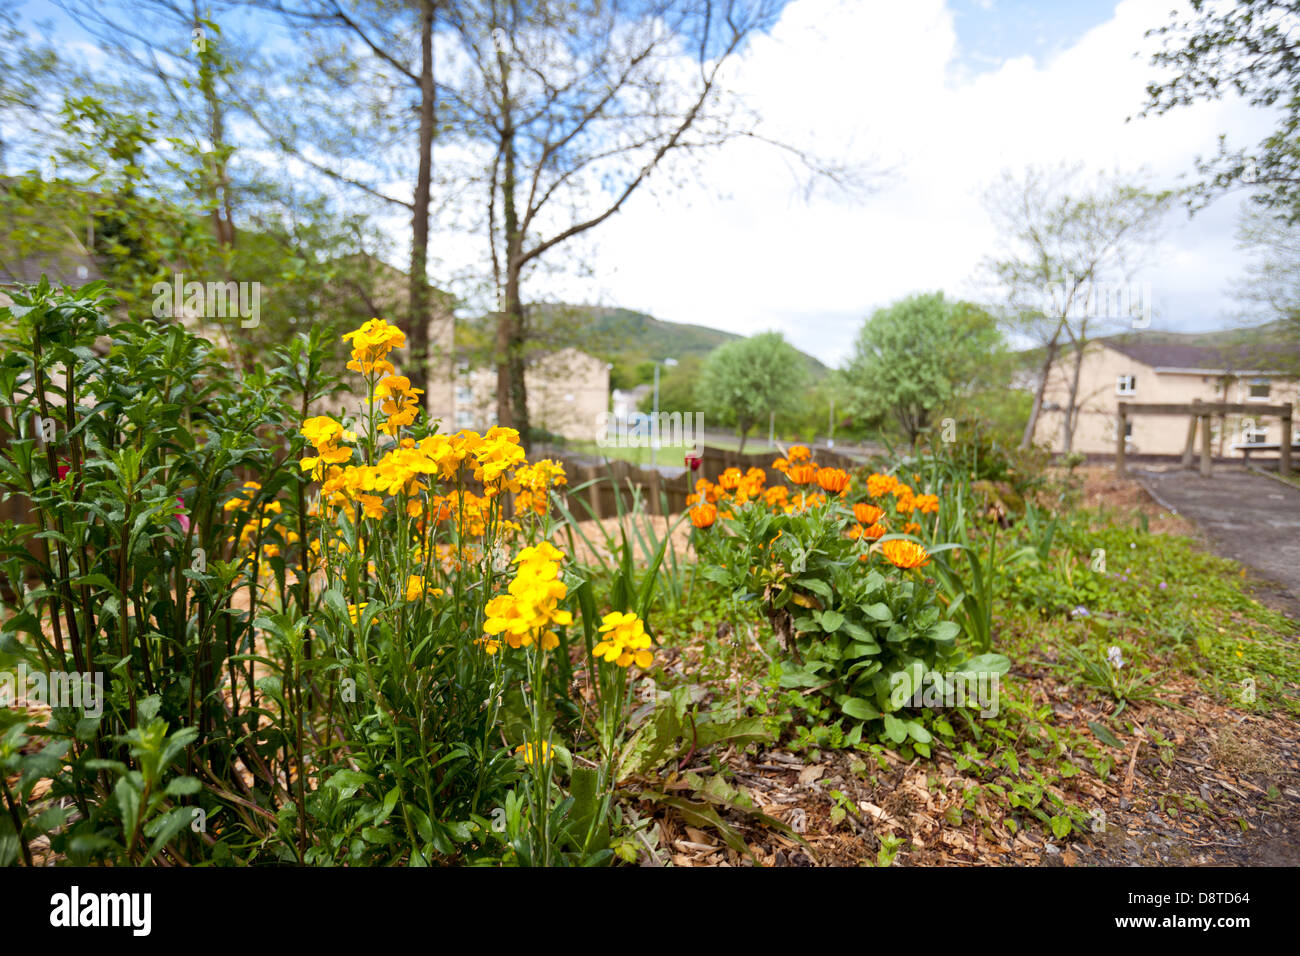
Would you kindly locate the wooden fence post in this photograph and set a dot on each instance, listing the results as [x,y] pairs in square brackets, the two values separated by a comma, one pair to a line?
[1189,449]
[1284,452]
[1119,441]
[1206,457]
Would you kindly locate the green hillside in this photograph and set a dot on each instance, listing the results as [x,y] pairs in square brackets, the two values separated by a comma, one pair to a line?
[630,341]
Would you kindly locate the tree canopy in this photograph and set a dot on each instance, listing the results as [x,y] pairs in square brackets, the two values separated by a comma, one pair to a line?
[919,355]
[745,382]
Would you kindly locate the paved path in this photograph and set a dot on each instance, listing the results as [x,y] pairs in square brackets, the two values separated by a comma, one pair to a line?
[1246,516]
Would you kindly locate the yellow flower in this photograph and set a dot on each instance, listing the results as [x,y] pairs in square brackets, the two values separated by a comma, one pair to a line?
[416,588]
[526,749]
[371,344]
[625,641]
[526,613]
[354,610]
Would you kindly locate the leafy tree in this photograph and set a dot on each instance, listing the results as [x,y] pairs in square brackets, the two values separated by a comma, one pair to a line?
[745,382]
[1271,288]
[1251,48]
[1066,246]
[920,355]
[573,107]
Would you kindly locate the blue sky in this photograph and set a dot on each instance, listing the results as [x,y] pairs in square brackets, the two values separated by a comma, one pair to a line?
[941,95]
[990,32]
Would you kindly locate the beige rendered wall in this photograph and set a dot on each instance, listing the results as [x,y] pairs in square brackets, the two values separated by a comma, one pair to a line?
[1151,434]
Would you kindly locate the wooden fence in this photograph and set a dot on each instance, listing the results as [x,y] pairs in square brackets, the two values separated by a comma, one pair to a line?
[605,486]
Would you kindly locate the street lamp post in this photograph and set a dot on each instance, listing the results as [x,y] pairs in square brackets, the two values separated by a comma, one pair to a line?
[654,421]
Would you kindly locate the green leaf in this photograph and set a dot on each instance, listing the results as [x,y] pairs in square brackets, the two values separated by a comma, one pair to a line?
[859,708]
[831,621]
[1104,735]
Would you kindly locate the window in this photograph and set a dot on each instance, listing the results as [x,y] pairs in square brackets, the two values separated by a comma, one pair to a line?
[1114,429]
[464,395]
[1254,435]
[464,418]
[1126,385]
[1258,390]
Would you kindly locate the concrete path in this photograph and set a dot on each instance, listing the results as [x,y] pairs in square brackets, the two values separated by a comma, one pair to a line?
[1246,516]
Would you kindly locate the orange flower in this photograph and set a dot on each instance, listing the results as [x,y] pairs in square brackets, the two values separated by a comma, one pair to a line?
[802,474]
[873,532]
[781,465]
[867,514]
[911,528]
[878,485]
[730,479]
[834,480]
[703,515]
[799,453]
[776,497]
[927,504]
[905,554]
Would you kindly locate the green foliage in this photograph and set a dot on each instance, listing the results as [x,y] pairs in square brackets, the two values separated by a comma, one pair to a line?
[921,355]
[868,638]
[743,382]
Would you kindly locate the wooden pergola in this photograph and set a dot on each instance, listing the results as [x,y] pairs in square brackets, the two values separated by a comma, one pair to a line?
[1203,412]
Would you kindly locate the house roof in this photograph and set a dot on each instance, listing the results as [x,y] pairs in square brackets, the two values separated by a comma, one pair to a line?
[1202,358]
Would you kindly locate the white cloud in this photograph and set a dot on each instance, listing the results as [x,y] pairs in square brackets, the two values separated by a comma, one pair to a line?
[740,251]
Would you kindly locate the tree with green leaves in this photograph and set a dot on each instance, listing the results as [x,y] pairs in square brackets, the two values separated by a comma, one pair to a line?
[743,383]
[920,355]
[1067,247]
[1250,48]
[1270,291]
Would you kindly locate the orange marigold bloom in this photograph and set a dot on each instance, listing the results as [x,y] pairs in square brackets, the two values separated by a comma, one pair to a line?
[905,554]
[802,474]
[730,479]
[799,453]
[703,515]
[781,464]
[911,528]
[872,532]
[867,514]
[927,504]
[776,496]
[878,485]
[834,480]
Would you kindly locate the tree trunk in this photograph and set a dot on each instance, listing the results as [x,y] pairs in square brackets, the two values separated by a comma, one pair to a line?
[512,393]
[1049,359]
[417,318]
[1071,410]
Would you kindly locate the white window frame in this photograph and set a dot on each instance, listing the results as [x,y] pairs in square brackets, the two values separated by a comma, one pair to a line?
[1255,436]
[1267,383]
[1126,385]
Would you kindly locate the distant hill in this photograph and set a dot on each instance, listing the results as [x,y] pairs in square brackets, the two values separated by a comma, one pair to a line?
[1273,344]
[627,338]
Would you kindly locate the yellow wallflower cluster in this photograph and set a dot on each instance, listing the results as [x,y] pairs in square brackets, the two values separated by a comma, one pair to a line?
[370,347]
[531,607]
[625,641]
[398,401]
[534,482]
[325,434]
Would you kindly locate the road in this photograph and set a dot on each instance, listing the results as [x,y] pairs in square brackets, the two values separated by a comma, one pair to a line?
[1246,516]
